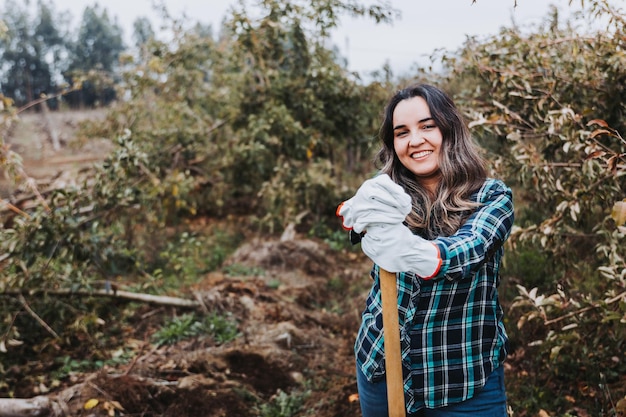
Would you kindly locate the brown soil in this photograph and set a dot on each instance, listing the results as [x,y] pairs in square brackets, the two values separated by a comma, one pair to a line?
[297,322]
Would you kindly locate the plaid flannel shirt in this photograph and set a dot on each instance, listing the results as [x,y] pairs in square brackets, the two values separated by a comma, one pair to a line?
[451,330]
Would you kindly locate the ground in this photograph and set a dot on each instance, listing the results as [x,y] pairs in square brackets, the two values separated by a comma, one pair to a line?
[296,338]
[297,322]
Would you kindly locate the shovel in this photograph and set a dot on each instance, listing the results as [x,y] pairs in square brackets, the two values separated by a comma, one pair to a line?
[393,359]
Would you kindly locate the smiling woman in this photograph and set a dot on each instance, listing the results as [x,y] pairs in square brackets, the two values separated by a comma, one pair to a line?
[434,219]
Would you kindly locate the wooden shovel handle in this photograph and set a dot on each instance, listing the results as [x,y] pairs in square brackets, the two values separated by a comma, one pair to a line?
[393,358]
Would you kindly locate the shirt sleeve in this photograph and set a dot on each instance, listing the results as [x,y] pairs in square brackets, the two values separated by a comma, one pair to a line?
[481,236]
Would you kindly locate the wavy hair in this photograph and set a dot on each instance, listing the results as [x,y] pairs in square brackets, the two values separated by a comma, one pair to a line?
[463,170]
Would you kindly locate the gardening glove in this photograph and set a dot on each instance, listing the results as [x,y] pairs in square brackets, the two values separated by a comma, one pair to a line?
[395,248]
[378,201]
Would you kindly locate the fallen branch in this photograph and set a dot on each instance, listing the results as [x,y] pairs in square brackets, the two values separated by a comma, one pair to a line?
[30,407]
[125,295]
[57,405]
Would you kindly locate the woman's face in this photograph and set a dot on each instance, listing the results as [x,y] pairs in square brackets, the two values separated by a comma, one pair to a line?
[417,140]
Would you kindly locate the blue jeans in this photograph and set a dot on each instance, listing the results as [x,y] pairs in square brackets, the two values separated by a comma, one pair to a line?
[489,402]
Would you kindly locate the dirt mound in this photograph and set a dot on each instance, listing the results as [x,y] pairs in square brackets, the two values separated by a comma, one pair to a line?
[308,256]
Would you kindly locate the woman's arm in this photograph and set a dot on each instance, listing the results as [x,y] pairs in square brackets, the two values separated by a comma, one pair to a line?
[481,236]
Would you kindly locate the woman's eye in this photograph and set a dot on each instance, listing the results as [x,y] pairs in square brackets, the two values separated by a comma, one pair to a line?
[428,127]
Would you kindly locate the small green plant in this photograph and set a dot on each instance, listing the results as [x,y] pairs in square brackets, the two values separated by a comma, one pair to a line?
[221,328]
[177,329]
[283,404]
[69,366]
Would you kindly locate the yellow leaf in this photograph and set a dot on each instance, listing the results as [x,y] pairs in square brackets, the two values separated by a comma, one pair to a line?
[619,212]
[91,404]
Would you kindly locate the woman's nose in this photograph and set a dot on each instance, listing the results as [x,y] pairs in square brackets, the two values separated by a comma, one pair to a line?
[416,139]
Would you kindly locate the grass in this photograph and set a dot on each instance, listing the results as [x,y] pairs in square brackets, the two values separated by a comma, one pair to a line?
[222,328]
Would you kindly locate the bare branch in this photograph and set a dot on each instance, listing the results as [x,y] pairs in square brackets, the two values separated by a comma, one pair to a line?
[615,299]
[36,317]
[125,295]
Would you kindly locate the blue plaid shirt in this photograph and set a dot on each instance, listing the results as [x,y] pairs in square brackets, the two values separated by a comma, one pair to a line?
[451,328]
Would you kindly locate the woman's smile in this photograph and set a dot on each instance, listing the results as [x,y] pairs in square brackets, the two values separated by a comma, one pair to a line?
[421,154]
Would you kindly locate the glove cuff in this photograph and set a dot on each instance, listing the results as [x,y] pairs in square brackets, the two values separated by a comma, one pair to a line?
[431,261]
[343,220]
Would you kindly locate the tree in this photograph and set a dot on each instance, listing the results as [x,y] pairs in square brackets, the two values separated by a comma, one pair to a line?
[99,42]
[94,58]
[295,108]
[142,31]
[33,51]
[267,94]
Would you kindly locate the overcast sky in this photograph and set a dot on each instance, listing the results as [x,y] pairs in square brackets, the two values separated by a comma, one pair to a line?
[424,25]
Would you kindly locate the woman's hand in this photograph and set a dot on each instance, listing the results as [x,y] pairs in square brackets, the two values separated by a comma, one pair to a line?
[378,201]
[395,248]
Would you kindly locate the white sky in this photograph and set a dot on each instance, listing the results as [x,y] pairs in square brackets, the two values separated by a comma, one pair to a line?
[424,25]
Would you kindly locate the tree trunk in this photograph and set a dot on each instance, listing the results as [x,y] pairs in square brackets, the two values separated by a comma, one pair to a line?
[50,127]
